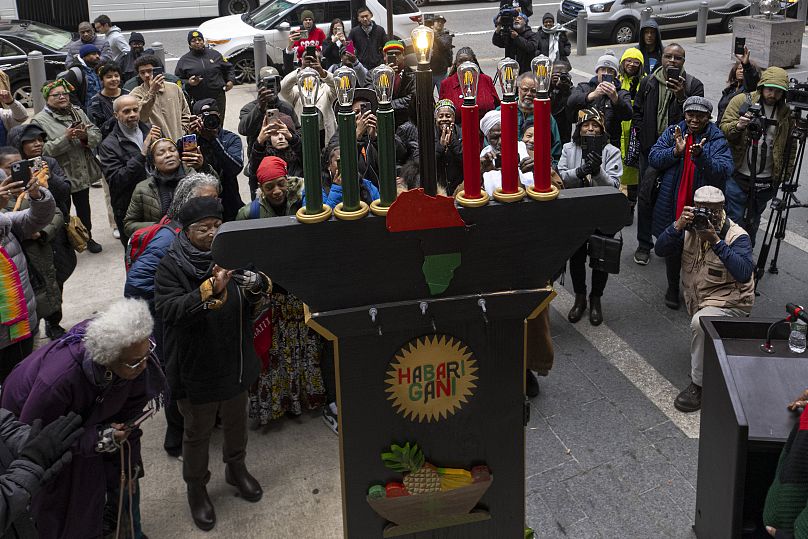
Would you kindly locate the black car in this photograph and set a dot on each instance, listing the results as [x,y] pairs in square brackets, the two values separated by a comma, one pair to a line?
[17,39]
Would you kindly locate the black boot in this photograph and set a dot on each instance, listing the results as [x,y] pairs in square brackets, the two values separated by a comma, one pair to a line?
[689,400]
[201,507]
[672,298]
[531,384]
[578,308]
[236,474]
[595,311]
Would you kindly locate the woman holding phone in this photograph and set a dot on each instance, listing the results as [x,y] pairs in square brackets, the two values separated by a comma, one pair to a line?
[333,43]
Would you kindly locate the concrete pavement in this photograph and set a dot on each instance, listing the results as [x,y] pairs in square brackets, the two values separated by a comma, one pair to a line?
[605,456]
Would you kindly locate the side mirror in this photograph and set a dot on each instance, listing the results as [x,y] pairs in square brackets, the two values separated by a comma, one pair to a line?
[284,26]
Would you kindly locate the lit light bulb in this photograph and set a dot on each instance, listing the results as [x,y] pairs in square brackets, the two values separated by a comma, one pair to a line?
[508,70]
[422,39]
[542,68]
[345,78]
[383,77]
[308,83]
[468,74]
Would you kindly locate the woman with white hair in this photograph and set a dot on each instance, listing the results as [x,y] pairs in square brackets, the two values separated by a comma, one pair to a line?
[104,370]
[491,156]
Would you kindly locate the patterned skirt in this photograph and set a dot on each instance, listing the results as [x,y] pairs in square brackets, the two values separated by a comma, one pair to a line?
[292,382]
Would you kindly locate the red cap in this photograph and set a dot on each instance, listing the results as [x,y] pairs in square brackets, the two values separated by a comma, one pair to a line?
[271,168]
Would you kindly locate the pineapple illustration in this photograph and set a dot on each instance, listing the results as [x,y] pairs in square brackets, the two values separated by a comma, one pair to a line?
[420,477]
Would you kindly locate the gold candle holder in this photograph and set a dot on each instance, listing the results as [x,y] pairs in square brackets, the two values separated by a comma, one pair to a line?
[543,197]
[351,215]
[472,202]
[309,219]
[499,196]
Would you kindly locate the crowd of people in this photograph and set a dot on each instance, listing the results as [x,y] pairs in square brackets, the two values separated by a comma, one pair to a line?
[188,335]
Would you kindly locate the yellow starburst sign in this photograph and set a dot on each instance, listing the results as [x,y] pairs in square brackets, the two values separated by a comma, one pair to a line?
[431,378]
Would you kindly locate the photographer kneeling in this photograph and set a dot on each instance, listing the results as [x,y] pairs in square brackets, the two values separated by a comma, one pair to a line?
[757,126]
[717,274]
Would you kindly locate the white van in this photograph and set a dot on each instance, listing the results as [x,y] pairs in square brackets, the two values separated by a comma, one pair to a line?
[233,36]
[618,21]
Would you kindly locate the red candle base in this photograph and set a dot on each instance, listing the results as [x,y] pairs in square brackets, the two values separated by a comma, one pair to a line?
[510,153]
[542,145]
[470,117]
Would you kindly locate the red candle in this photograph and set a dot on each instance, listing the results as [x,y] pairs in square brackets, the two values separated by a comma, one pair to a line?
[470,117]
[510,154]
[542,143]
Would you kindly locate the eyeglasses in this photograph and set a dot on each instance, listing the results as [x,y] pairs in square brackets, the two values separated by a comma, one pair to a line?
[204,229]
[133,366]
[673,57]
[59,95]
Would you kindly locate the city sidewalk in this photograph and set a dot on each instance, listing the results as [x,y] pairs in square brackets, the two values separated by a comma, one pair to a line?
[606,457]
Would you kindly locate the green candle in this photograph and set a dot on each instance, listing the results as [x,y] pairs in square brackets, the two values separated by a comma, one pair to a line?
[387,155]
[348,167]
[310,128]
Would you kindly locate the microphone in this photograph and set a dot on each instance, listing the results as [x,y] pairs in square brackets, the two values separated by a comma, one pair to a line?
[796,311]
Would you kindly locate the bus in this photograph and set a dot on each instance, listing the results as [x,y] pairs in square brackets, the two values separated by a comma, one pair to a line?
[68,14]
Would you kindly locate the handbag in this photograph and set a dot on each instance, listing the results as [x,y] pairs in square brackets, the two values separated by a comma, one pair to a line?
[633,149]
[77,234]
[604,253]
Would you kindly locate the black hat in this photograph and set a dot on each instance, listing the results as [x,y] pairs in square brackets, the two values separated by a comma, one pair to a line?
[205,105]
[200,208]
[136,37]
[32,132]
[193,34]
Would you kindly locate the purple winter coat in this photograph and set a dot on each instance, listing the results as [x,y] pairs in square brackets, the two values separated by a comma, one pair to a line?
[59,378]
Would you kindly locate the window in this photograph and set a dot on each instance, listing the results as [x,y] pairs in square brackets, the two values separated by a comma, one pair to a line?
[51,37]
[7,49]
[339,10]
[266,16]
[293,17]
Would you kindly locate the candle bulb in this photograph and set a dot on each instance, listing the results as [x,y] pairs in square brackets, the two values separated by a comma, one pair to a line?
[468,74]
[383,77]
[345,80]
[508,70]
[308,82]
[542,68]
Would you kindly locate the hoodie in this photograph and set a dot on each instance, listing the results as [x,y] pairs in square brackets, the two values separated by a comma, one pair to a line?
[631,85]
[739,138]
[651,57]
[118,44]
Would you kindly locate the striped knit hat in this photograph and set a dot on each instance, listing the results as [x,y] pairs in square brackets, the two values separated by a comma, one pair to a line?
[393,45]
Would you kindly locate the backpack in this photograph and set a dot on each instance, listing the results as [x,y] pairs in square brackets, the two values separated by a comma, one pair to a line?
[255,209]
[142,237]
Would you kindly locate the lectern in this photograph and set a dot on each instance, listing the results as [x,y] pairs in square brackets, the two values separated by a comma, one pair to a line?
[744,422]
[426,309]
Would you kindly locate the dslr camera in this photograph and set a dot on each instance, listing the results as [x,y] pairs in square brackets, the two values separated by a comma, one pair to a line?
[701,219]
[797,95]
[210,120]
[756,125]
[506,23]
[429,19]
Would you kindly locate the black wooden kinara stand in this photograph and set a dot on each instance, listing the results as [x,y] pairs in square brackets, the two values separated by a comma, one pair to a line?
[429,346]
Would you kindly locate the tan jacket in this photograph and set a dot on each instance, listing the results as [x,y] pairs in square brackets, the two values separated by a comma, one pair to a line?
[707,282]
[168,109]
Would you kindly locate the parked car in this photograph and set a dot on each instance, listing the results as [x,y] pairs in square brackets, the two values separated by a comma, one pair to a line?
[17,39]
[618,21]
[233,36]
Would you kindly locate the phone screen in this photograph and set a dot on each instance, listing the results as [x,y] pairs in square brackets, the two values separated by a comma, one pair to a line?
[304,34]
[740,43]
[189,143]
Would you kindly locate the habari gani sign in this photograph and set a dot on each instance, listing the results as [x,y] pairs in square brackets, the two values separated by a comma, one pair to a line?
[431,377]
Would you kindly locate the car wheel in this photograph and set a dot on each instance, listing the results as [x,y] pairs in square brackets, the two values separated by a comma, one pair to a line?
[236,7]
[21,91]
[420,3]
[244,67]
[729,21]
[624,33]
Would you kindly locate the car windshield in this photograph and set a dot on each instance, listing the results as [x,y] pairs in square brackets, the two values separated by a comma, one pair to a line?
[51,37]
[266,15]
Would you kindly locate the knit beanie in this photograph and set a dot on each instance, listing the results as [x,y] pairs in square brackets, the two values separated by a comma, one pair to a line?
[200,208]
[88,49]
[194,34]
[306,14]
[393,45]
[136,37]
[271,168]
[609,61]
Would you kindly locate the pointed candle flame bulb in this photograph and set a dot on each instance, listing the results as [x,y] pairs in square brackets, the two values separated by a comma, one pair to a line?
[422,39]
[345,79]
[383,77]
[542,68]
[469,75]
[308,82]
[508,70]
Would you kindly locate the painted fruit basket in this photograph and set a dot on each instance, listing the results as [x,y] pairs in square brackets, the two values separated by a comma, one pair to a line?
[428,511]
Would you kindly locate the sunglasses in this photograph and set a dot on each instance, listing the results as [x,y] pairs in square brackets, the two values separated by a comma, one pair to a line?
[133,366]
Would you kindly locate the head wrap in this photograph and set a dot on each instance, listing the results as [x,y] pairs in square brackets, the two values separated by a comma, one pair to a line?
[444,103]
[306,14]
[696,103]
[524,18]
[49,87]
[393,45]
[205,105]
[271,168]
[348,47]
[708,195]
[162,139]
[200,208]
[592,114]
[491,119]
[136,37]
[88,49]
[194,34]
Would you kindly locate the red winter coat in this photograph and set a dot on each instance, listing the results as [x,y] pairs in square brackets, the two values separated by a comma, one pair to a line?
[487,97]
[316,38]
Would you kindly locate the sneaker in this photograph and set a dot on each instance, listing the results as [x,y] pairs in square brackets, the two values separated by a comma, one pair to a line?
[96,183]
[330,417]
[672,299]
[689,400]
[641,256]
[93,246]
[116,234]
[531,385]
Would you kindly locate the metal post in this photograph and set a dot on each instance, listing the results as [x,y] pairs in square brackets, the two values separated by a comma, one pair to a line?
[259,53]
[580,33]
[426,134]
[754,8]
[802,10]
[159,52]
[645,15]
[701,23]
[388,6]
[37,76]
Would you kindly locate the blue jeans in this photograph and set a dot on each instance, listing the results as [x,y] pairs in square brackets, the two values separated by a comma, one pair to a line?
[736,200]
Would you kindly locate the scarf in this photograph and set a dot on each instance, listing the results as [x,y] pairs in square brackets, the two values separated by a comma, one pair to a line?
[13,307]
[135,135]
[665,97]
[166,185]
[685,195]
[553,35]
[191,260]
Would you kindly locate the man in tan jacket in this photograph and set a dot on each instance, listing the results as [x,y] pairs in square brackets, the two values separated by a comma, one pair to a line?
[717,274]
[161,104]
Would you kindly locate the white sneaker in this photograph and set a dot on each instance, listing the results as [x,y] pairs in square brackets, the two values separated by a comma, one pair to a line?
[116,234]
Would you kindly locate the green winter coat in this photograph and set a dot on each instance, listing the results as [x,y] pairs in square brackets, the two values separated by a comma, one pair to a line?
[144,207]
[294,198]
[77,160]
[738,139]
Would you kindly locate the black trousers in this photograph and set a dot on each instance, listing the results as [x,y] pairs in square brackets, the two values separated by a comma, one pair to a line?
[119,223]
[578,274]
[645,213]
[673,270]
[13,354]
[81,199]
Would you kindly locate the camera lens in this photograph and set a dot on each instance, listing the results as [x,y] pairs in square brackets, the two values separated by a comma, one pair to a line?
[211,121]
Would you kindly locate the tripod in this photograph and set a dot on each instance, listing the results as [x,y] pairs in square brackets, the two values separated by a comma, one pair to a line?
[781,206]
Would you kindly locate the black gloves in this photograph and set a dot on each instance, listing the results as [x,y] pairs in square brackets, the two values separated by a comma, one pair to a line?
[591,165]
[48,447]
[251,281]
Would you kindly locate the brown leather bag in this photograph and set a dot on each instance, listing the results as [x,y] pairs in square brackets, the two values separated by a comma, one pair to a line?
[77,234]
